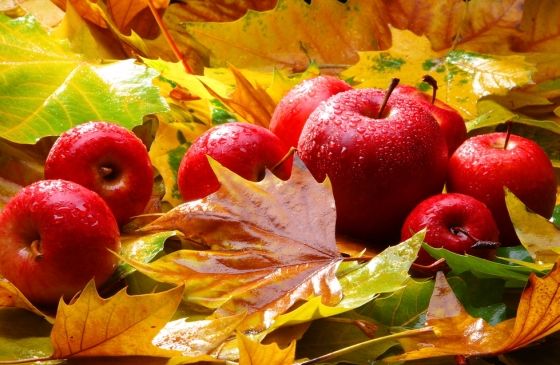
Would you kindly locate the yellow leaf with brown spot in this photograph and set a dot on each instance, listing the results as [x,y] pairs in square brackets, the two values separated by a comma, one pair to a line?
[122,325]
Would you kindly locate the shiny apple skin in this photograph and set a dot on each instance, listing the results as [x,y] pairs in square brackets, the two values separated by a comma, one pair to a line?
[442,214]
[246,149]
[80,153]
[380,168]
[76,230]
[481,167]
[451,122]
[292,111]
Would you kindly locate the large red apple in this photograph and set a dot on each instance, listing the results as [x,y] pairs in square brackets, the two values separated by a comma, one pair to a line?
[483,165]
[380,167]
[246,149]
[292,111]
[107,159]
[451,122]
[55,236]
[456,222]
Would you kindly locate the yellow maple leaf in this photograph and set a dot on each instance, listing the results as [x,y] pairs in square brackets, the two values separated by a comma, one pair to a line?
[122,325]
[252,352]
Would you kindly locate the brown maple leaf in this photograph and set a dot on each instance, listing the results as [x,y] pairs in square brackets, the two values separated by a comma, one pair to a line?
[266,245]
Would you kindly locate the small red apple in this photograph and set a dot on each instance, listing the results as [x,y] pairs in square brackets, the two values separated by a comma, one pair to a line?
[451,122]
[457,222]
[380,163]
[483,165]
[108,159]
[246,149]
[55,236]
[292,111]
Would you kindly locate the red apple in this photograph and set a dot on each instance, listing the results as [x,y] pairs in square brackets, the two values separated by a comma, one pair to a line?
[246,149]
[107,159]
[457,222]
[380,167]
[55,236]
[483,165]
[293,110]
[450,121]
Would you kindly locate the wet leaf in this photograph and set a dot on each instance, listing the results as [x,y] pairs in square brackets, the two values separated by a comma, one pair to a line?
[492,114]
[142,249]
[385,273]
[251,352]
[463,77]
[49,89]
[122,325]
[457,333]
[11,297]
[197,339]
[515,275]
[537,234]
[259,260]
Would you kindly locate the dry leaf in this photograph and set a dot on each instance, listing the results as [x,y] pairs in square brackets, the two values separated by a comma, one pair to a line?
[218,10]
[250,102]
[251,352]
[268,245]
[122,325]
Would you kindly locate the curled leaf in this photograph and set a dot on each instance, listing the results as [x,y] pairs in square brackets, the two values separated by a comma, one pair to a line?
[537,234]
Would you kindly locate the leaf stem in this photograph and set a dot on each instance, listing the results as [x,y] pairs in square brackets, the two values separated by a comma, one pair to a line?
[168,37]
[360,345]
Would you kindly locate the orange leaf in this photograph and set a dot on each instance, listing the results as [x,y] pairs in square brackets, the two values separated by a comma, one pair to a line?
[250,102]
[476,25]
[268,245]
[457,333]
[217,10]
[122,325]
[540,27]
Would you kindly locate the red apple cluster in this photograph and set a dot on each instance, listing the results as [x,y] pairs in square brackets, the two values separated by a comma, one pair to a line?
[57,234]
[389,154]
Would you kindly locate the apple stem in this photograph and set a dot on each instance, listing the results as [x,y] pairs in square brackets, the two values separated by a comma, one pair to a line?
[392,86]
[288,155]
[433,83]
[36,249]
[478,244]
[508,133]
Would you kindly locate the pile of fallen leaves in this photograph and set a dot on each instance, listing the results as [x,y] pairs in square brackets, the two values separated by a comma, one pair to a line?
[255,273]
